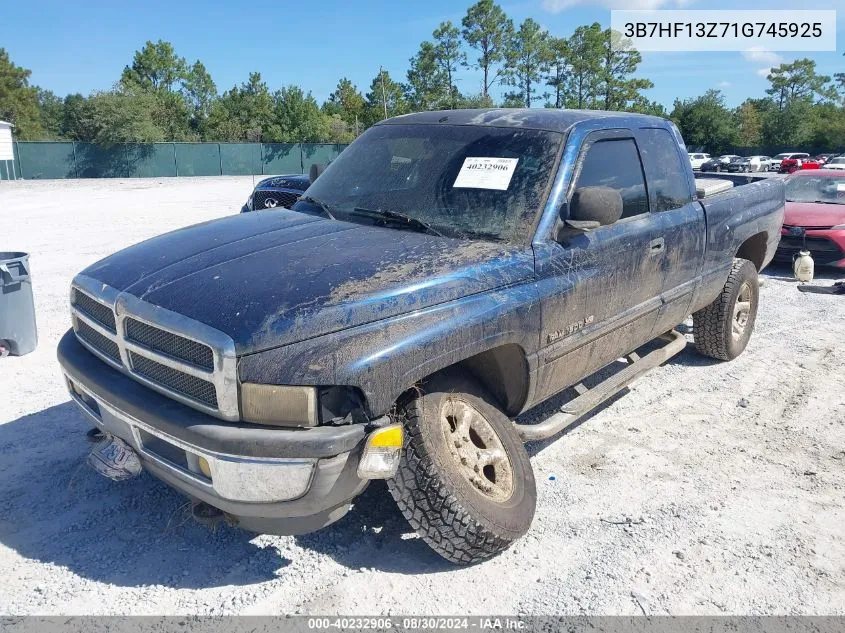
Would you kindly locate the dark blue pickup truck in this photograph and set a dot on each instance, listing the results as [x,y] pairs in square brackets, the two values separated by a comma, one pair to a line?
[448,271]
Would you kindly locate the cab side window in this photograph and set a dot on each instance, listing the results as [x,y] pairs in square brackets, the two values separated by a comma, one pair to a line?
[667,175]
[615,163]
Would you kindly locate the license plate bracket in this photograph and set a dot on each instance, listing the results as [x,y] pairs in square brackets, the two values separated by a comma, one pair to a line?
[115,459]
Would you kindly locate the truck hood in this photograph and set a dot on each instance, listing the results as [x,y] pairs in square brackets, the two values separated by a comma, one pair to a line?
[814,214]
[277,277]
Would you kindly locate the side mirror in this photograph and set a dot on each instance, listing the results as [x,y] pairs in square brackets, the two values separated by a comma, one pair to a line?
[315,171]
[592,207]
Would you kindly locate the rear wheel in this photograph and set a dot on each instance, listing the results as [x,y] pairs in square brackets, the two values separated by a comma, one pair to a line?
[723,328]
[465,482]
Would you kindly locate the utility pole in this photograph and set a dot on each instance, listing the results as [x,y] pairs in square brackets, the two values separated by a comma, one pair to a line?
[383,95]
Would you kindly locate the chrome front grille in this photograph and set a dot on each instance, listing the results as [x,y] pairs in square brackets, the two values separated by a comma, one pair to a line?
[263,199]
[182,358]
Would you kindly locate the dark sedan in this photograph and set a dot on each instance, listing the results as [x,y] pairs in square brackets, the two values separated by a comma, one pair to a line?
[738,164]
[276,191]
[719,163]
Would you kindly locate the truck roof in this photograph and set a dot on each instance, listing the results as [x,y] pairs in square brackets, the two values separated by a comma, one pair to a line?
[530,118]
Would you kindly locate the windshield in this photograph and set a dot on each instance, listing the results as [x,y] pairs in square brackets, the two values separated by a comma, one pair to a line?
[737,159]
[462,181]
[829,189]
[781,156]
[837,161]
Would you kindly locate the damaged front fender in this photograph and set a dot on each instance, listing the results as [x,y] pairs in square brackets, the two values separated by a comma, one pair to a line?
[385,358]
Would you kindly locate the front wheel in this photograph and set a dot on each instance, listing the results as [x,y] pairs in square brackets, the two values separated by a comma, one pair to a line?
[722,329]
[465,482]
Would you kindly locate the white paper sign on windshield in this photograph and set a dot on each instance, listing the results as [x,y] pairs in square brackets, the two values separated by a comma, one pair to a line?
[486,173]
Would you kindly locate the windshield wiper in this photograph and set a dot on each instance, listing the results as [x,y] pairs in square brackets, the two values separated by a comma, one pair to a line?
[326,208]
[398,218]
[826,202]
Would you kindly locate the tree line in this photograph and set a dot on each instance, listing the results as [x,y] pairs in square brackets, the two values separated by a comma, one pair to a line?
[161,96]
[802,109]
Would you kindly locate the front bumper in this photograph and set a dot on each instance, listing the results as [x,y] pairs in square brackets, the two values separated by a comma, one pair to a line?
[826,246]
[283,481]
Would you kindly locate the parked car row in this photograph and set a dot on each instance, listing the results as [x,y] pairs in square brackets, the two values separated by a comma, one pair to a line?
[738,164]
[804,161]
[786,162]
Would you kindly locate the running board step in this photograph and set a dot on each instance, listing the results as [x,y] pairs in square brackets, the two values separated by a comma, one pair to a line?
[589,399]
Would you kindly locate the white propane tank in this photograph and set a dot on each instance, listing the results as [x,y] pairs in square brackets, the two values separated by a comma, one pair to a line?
[803,266]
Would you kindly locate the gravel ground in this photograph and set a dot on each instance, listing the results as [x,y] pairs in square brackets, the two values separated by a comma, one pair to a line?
[707,488]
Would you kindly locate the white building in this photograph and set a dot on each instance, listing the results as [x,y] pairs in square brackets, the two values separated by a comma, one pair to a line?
[7,152]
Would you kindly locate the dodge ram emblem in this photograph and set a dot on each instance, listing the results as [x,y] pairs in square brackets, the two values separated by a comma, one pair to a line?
[270,203]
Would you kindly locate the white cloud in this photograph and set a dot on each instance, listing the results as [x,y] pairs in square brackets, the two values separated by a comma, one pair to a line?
[758,55]
[761,57]
[725,84]
[556,6]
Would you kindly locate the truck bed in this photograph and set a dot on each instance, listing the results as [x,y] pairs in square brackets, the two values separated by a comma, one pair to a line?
[750,213]
[705,181]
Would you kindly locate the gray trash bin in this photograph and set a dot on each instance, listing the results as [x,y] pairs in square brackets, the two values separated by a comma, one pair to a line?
[18,334]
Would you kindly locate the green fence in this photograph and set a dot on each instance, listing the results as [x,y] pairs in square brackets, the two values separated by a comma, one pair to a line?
[49,159]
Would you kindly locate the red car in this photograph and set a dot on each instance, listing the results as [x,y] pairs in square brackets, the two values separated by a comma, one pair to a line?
[815,217]
[791,165]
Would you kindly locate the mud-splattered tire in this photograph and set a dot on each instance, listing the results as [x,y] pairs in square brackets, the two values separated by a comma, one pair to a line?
[465,516]
[722,329]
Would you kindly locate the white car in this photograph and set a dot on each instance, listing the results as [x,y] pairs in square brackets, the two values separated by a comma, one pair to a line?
[835,163]
[759,163]
[697,159]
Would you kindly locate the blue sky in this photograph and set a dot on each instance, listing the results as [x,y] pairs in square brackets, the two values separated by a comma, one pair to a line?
[80,47]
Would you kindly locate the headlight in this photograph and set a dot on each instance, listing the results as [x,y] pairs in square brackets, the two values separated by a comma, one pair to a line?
[279,405]
[249,202]
[838,227]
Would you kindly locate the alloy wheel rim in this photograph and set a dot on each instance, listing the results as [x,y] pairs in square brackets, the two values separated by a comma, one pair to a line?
[477,450]
[741,312]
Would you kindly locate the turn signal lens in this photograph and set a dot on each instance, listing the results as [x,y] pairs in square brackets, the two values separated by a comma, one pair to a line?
[205,469]
[380,458]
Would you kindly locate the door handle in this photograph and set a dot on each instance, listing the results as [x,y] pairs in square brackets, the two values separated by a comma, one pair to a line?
[656,245]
